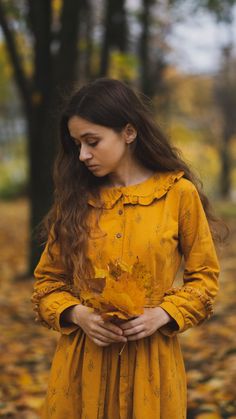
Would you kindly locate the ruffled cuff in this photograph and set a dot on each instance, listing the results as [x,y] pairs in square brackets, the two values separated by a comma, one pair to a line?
[187,306]
[50,307]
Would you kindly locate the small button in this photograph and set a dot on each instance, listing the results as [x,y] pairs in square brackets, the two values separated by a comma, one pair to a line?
[118,235]
[120,212]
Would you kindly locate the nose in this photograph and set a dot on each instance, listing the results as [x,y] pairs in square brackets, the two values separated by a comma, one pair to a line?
[84,153]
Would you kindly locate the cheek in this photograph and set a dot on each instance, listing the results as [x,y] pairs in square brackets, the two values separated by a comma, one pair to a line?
[113,151]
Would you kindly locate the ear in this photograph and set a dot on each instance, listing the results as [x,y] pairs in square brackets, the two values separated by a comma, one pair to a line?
[130,133]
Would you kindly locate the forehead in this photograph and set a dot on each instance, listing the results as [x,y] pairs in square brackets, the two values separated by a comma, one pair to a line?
[78,127]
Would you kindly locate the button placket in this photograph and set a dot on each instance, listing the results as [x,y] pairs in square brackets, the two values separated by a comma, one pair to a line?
[119,235]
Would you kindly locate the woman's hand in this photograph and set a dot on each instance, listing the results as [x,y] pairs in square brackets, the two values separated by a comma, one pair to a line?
[101,332]
[146,324]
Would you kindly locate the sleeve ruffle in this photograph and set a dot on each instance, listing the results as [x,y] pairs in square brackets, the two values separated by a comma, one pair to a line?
[53,292]
[188,306]
[49,303]
[37,296]
[190,293]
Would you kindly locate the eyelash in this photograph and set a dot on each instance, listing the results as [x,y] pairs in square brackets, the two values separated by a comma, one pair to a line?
[93,144]
[89,144]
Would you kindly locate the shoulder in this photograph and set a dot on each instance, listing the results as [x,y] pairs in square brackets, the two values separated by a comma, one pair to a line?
[187,198]
[184,186]
[184,193]
[175,183]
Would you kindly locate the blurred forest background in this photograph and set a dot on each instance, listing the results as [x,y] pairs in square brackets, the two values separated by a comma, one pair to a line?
[46,48]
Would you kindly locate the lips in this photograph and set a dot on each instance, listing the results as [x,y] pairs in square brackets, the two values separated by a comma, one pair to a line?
[92,166]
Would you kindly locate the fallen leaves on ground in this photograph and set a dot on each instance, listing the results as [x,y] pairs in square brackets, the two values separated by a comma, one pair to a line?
[27,349]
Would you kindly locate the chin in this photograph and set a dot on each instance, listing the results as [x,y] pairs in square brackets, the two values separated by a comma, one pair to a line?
[100,173]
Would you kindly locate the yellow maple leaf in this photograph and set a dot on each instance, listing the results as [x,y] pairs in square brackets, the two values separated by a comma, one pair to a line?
[115,316]
[118,293]
[100,273]
[125,295]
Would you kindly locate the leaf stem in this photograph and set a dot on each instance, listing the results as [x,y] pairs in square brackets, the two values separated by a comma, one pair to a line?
[122,349]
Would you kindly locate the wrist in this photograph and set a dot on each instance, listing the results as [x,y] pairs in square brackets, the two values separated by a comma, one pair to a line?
[68,314]
[164,316]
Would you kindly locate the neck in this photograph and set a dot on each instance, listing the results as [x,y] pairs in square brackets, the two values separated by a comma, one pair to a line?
[129,174]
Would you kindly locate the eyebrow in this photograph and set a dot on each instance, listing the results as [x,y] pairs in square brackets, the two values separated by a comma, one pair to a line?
[85,135]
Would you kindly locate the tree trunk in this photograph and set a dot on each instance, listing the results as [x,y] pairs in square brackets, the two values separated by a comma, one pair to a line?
[144,48]
[226,102]
[115,32]
[54,75]
[41,143]
[89,40]
[225,180]
[41,97]
[152,57]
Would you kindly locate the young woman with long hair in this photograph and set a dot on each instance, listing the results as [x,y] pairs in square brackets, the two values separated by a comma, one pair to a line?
[123,197]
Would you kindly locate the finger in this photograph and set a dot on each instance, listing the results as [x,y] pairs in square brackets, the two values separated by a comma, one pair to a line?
[134,330]
[101,331]
[110,326]
[131,323]
[100,343]
[103,339]
[137,336]
[111,331]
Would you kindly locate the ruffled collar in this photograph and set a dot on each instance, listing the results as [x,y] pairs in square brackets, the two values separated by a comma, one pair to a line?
[155,187]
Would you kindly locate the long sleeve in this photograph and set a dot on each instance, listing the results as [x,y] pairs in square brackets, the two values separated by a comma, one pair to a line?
[52,294]
[190,304]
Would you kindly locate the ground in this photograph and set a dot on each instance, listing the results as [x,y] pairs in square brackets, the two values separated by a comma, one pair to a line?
[26,349]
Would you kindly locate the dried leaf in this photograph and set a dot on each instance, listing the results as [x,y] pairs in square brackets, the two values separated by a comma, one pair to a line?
[121,294]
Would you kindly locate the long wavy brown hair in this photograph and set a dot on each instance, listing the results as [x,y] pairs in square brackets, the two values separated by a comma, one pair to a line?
[112,104]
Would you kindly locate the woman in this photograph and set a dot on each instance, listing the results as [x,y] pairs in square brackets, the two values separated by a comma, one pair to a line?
[122,194]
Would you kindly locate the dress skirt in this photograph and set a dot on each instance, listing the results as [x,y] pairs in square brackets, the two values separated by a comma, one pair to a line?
[146,381]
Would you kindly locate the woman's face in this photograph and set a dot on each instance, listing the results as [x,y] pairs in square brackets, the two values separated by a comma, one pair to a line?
[102,150]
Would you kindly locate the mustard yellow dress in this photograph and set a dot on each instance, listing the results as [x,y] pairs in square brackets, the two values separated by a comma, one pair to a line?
[159,221]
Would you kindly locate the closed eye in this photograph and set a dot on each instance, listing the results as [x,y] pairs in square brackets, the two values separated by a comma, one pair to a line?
[89,144]
[93,144]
